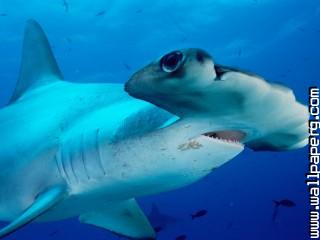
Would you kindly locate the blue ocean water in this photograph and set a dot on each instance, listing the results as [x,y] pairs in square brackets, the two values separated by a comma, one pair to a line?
[107,41]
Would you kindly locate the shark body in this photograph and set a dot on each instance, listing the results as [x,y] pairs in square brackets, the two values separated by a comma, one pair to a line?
[89,150]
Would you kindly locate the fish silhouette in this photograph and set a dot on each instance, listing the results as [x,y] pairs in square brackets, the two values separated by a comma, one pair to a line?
[65,5]
[127,66]
[101,13]
[199,214]
[181,237]
[283,203]
[54,233]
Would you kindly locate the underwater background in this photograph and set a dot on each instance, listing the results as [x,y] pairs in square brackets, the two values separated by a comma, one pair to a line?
[107,41]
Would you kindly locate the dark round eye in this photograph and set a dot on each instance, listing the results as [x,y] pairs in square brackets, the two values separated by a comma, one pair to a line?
[171,62]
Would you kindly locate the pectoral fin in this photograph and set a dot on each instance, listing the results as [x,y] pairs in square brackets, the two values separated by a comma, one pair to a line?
[42,203]
[125,218]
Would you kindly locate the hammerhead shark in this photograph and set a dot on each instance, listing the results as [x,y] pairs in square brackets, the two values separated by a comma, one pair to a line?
[89,149]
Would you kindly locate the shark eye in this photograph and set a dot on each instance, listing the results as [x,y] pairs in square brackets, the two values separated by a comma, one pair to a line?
[171,62]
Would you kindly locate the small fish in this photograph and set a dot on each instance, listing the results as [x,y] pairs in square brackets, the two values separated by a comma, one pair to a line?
[239,52]
[101,13]
[3,15]
[65,5]
[181,237]
[284,203]
[183,39]
[158,229]
[199,214]
[53,233]
[139,11]
[69,40]
[127,66]
[283,75]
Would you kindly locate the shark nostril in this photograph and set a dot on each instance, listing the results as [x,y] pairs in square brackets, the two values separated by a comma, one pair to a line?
[200,57]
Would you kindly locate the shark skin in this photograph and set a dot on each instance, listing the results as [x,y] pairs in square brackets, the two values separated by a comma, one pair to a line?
[87,150]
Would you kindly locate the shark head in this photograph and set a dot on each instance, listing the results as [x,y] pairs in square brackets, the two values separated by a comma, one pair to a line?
[239,105]
[182,73]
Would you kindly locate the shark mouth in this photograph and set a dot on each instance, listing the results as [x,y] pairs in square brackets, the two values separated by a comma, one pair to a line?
[231,136]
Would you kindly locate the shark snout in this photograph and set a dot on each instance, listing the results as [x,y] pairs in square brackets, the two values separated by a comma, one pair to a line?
[126,86]
[132,86]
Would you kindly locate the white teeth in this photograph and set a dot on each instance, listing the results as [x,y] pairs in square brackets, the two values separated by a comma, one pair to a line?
[231,141]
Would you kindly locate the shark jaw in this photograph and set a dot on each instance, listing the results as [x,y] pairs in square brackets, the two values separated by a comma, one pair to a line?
[190,84]
[233,137]
[175,156]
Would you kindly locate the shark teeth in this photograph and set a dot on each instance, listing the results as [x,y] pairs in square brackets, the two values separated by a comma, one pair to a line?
[227,141]
[232,137]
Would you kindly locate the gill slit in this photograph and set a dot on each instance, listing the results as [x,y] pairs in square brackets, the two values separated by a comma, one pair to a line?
[63,162]
[97,146]
[59,166]
[83,157]
[71,159]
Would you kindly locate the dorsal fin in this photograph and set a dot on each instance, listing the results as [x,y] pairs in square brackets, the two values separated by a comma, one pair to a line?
[38,65]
